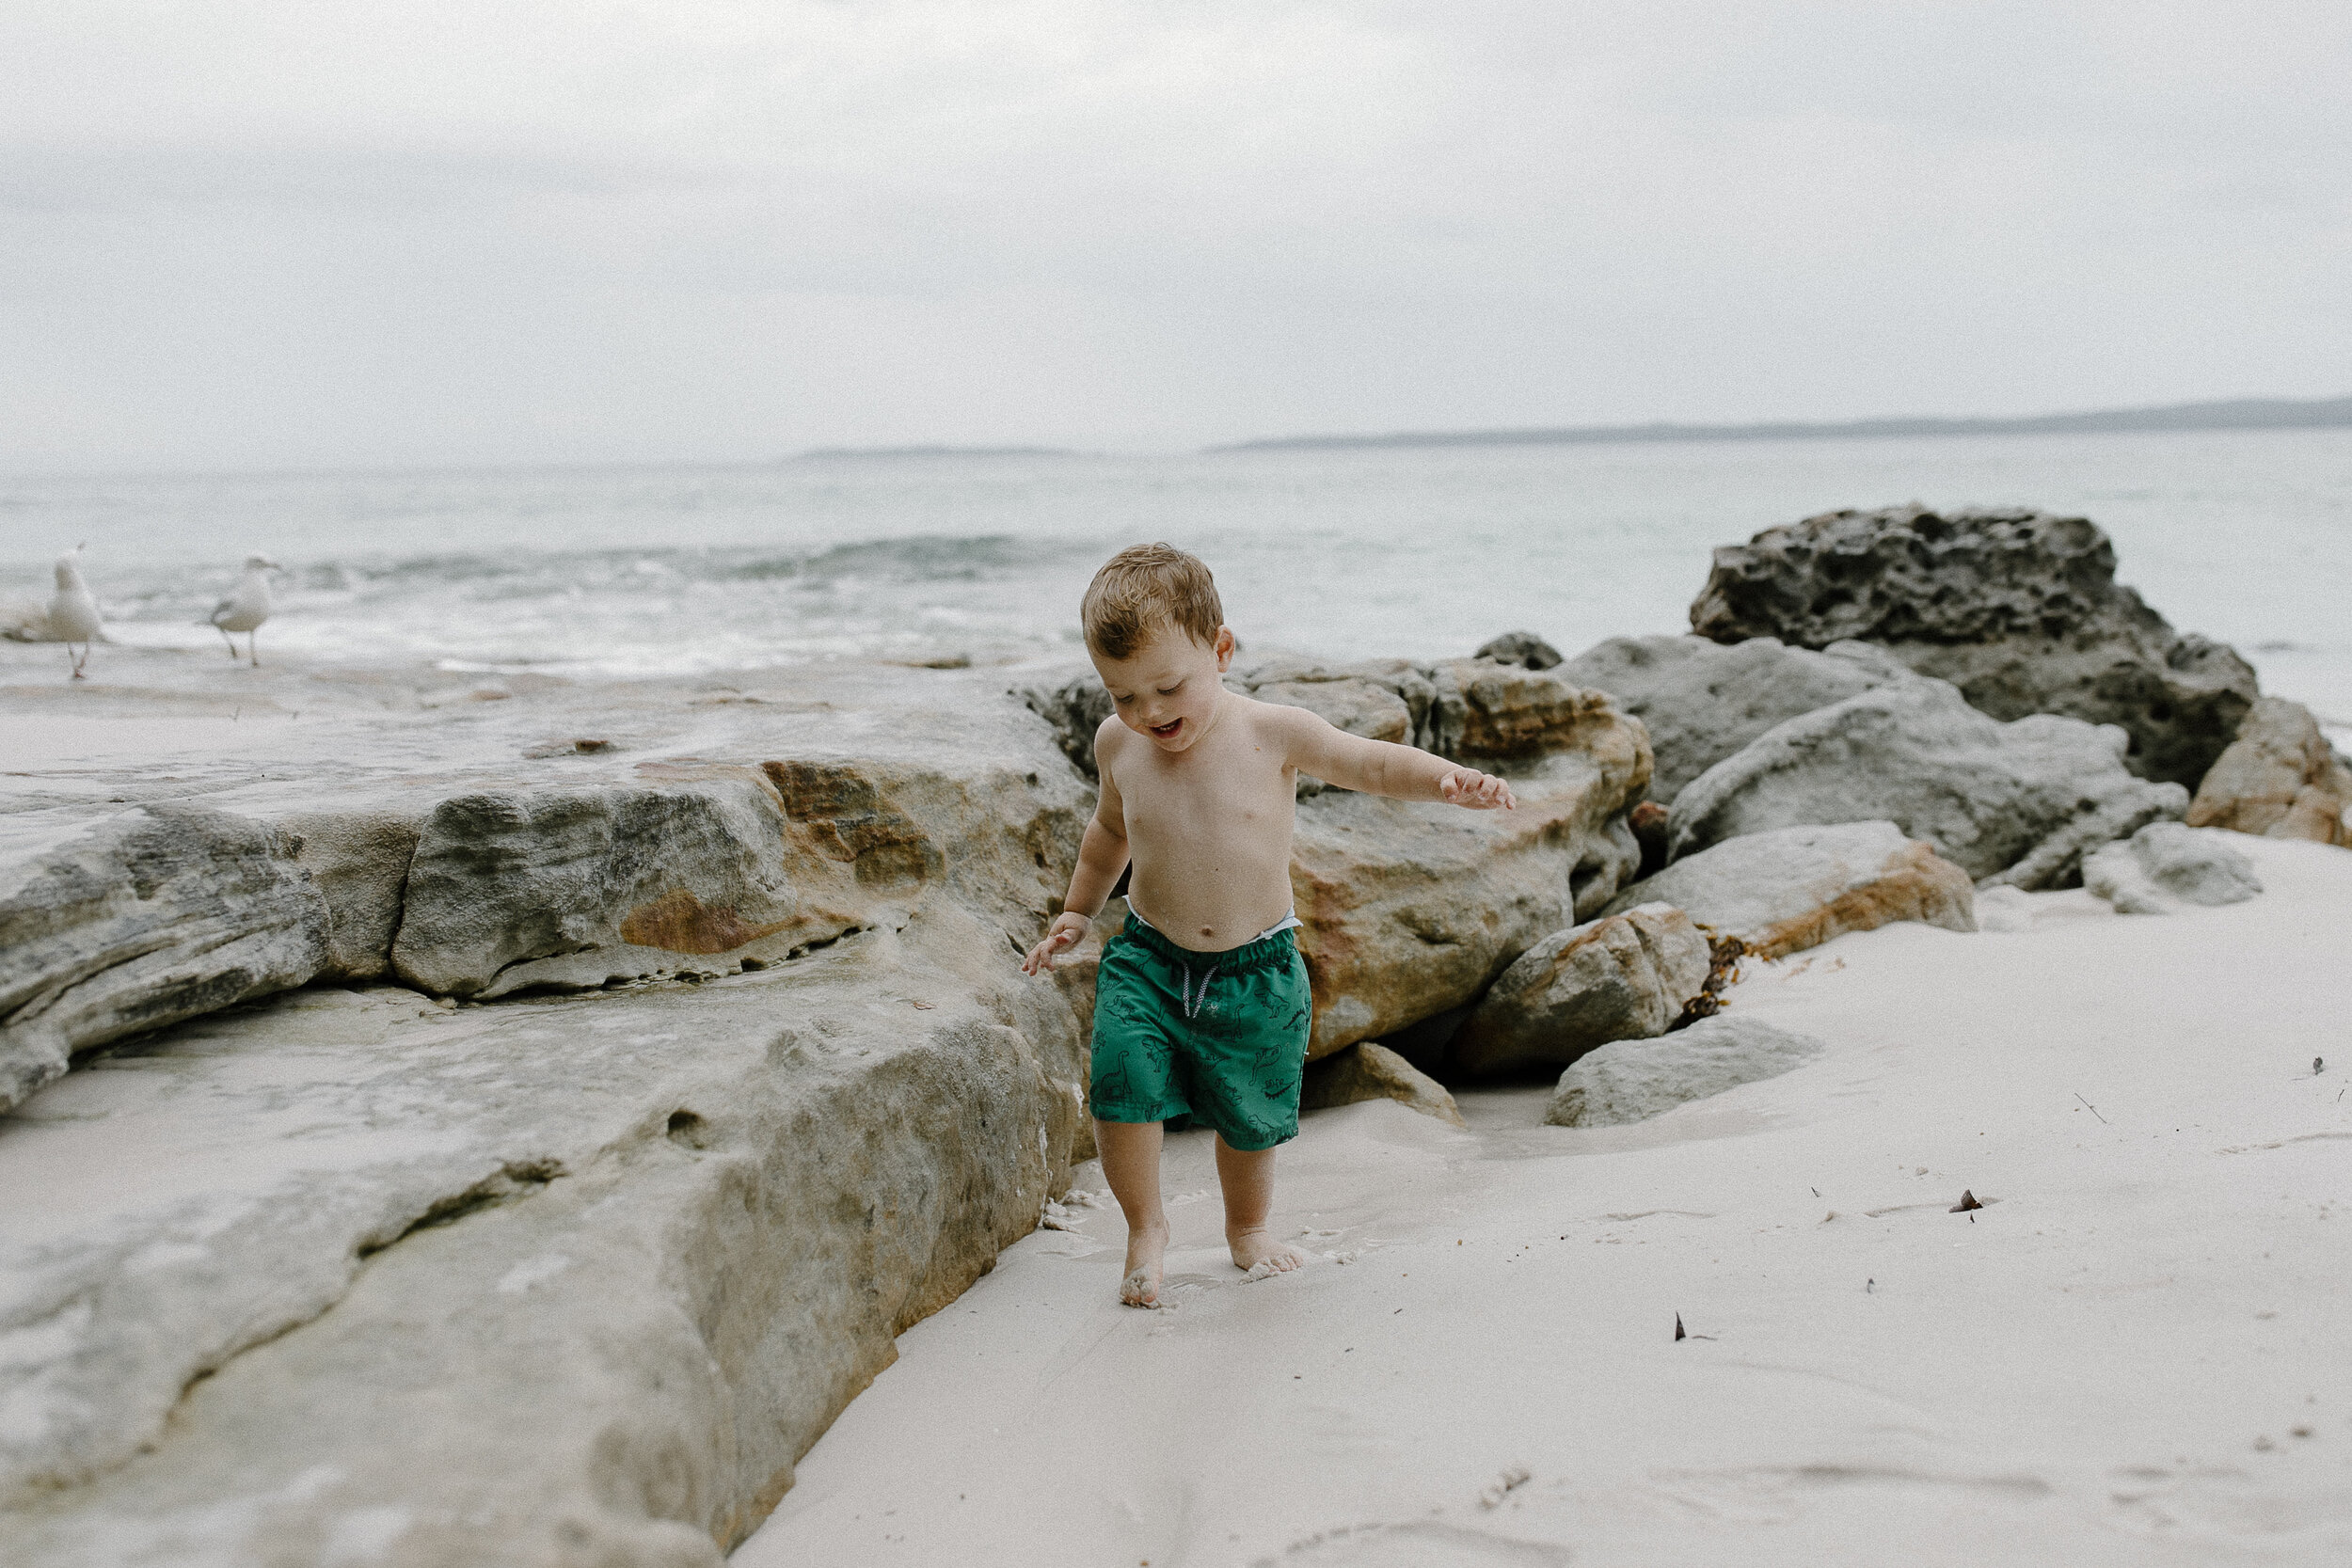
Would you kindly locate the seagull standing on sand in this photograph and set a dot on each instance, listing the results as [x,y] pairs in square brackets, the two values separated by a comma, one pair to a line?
[73,612]
[248,608]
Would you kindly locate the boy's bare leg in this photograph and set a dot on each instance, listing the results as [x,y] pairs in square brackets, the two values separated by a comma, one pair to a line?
[1130,1151]
[1248,1184]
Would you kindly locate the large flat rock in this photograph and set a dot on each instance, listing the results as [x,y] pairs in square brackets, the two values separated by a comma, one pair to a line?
[573,1278]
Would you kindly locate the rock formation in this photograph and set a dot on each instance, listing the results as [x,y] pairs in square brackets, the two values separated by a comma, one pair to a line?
[2167,865]
[113,924]
[1702,700]
[1623,977]
[577,1274]
[1788,889]
[2279,778]
[2019,802]
[1367,1070]
[1411,908]
[1634,1079]
[2020,610]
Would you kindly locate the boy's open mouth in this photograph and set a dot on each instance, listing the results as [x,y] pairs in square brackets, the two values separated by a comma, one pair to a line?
[1167,731]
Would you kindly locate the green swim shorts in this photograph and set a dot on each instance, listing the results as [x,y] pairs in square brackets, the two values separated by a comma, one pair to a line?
[1215,1037]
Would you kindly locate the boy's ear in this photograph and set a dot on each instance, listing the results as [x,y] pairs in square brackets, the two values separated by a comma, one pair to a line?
[1226,646]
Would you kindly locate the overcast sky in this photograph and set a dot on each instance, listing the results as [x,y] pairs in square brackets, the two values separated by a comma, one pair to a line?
[240,235]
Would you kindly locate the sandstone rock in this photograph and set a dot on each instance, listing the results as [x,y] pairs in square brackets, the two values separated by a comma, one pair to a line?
[1634,1079]
[2020,610]
[2166,865]
[2020,802]
[359,861]
[1502,711]
[1522,648]
[1411,909]
[114,925]
[1788,889]
[1623,977]
[1702,700]
[1367,1070]
[2280,776]
[568,1280]
[698,869]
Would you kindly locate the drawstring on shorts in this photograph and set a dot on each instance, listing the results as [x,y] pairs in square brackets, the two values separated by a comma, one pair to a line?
[1192,1005]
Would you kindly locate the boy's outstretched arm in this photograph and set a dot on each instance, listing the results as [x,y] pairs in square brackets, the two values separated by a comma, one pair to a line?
[1102,856]
[1319,748]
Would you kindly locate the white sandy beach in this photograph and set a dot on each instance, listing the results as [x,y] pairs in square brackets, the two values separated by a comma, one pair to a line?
[2134,1353]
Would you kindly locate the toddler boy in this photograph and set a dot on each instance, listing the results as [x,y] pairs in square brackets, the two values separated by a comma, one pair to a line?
[1201,1007]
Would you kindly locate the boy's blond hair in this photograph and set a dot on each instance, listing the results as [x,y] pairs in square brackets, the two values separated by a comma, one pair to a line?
[1143,590]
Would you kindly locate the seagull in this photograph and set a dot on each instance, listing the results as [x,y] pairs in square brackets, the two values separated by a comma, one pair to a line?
[248,608]
[73,613]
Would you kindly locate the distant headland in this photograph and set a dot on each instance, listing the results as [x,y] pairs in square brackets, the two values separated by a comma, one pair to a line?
[816,454]
[2244,414]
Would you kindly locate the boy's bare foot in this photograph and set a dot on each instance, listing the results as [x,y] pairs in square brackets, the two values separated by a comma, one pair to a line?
[1257,1248]
[1145,1247]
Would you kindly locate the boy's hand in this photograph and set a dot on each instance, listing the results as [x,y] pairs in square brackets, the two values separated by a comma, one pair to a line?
[1066,932]
[1468,787]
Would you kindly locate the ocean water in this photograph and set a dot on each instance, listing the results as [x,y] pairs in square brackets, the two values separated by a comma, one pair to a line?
[2243,535]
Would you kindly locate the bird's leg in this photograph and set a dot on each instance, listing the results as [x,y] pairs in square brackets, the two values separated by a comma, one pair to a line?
[253,646]
[231,640]
[78,663]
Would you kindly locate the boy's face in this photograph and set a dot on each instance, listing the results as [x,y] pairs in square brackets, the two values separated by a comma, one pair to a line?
[1168,687]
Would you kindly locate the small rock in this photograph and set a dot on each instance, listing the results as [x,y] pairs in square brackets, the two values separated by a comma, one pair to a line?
[2279,778]
[2167,865]
[1634,1079]
[1368,1071]
[1627,976]
[1522,648]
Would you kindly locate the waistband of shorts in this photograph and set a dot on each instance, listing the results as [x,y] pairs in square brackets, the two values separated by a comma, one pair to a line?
[1264,953]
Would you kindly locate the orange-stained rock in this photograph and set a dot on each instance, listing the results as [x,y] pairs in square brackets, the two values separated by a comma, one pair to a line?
[2279,778]
[1411,909]
[1793,888]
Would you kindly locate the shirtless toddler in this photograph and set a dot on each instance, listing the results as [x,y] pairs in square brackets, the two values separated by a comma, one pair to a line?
[1201,1007]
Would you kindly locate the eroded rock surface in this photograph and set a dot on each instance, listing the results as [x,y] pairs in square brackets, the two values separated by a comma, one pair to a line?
[554,1282]
[2020,610]
[1623,977]
[1788,889]
[2167,865]
[1701,700]
[111,925]
[2019,802]
[2279,778]
[1368,1071]
[1634,1079]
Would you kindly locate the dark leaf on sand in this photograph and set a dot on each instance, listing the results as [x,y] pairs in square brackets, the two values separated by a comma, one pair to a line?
[1968,1201]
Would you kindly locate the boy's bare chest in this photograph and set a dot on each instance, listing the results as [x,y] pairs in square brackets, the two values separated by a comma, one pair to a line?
[1241,791]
